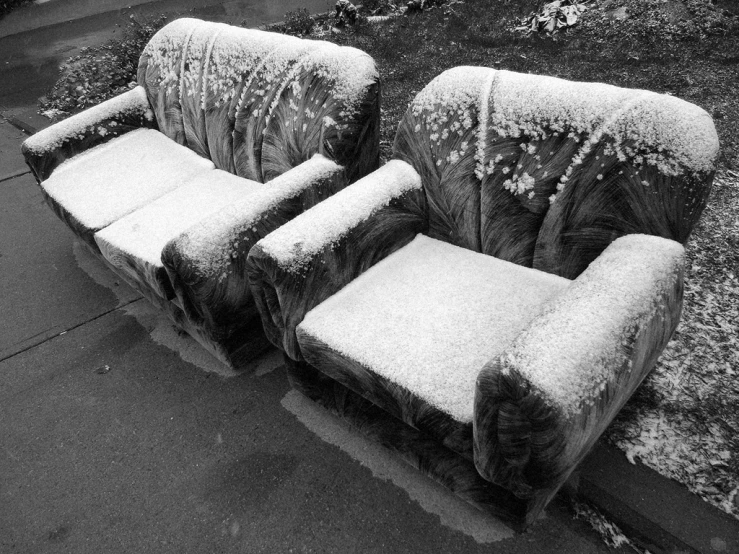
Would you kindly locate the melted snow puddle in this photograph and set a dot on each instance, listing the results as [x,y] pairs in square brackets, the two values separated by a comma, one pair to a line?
[383,464]
[160,328]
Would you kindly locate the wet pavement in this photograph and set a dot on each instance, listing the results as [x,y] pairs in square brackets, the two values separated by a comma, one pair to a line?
[32,47]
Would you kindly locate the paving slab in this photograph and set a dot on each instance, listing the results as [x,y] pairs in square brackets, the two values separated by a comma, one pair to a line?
[156,455]
[11,161]
[25,119]
[44,290]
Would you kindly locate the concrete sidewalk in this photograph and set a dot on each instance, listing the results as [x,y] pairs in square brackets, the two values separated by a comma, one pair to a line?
[118,434]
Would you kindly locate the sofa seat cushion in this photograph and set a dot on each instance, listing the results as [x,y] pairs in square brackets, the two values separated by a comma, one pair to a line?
[412,333]
[134,243]
[99,186]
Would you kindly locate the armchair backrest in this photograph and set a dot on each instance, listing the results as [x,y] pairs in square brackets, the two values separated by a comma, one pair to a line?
[259,103]
[546,172]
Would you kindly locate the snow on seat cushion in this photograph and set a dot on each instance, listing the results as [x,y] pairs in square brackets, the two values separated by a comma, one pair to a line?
[413,332]
[135,242]
[97,187]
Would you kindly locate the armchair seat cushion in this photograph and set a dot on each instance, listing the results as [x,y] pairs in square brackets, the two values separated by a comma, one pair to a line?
[413,332]
[134,243]
[99,186]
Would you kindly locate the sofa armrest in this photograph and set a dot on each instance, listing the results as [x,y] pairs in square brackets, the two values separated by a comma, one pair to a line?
[542,404]
[45,150]
[304,262]
[206,263]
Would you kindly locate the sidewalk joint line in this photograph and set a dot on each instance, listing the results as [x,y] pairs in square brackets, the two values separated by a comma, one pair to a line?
[14,175]
[57,335]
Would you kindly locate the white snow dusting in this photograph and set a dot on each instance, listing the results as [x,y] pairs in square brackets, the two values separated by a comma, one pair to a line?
[568,353]
[145,232]
[113,179]
[294,243]
[211,243]
[429,316]
[132,102]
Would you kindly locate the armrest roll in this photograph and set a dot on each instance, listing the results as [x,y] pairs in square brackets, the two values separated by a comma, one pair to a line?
[304,262]
[45,150]
[206,263]
[542,404]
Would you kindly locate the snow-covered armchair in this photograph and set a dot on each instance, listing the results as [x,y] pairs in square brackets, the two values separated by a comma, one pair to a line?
[486,302]
[230,133]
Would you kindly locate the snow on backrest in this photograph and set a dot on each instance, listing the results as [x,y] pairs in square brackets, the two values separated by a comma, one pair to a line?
[259,103]
[159,71]
[546,172]
[437,137]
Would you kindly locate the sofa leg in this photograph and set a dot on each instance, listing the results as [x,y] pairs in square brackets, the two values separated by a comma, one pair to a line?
[416,448]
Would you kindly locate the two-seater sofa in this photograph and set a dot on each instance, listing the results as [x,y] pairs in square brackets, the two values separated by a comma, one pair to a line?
[229,133]
[486,302]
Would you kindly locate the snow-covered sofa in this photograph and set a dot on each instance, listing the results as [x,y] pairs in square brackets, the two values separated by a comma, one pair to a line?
[229,133]
[489,299]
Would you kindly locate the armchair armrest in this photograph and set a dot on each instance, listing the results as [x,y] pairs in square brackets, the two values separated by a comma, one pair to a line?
[206,263]
[543,403]
[304,262]
[45,150]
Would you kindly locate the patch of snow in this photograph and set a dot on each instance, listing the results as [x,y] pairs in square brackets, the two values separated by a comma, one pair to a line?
[211,243]
[131,102]
[430,316]
[669,133]
[113,179]
[480,168]
[636,125]
[145,232]
[162,49]
[568,352]
[294,243]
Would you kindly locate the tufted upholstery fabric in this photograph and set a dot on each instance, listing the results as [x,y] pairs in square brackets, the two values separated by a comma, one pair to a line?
[257,103]
[546,173]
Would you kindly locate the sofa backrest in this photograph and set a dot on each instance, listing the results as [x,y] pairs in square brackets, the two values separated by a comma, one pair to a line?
[259,103]
[546,172]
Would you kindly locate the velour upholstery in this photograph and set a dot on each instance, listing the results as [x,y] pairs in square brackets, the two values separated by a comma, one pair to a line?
[230,133]
[503,285]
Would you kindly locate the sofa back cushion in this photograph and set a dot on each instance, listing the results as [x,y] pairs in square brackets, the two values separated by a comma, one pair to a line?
[546,172]
[259,103]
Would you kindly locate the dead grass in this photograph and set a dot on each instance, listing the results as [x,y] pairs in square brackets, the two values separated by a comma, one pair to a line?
[684,419]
